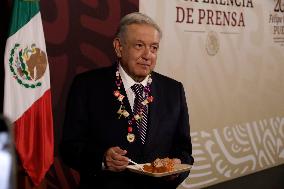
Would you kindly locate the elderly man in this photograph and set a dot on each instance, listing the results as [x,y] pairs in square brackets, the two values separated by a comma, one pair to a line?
[127,112]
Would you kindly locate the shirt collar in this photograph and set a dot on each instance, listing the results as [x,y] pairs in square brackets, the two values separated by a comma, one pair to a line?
[128,81]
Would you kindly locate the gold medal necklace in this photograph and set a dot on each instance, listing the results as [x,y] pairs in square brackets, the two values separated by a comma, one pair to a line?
[123,112]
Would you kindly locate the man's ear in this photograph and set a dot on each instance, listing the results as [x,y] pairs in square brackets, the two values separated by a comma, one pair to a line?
[117,47]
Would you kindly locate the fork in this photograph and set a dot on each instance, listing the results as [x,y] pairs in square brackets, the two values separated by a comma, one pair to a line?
[136,164]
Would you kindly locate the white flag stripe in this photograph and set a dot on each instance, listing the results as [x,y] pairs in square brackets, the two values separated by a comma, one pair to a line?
[15,107]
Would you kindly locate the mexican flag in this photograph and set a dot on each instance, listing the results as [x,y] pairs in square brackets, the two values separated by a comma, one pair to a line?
[27,96]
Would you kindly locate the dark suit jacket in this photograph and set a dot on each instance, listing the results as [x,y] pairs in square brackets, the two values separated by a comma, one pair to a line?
[92,126]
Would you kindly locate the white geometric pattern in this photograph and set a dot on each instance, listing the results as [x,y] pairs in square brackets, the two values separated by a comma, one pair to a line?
[234,151]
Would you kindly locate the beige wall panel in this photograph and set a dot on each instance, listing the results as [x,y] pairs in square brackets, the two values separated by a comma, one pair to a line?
[234,81]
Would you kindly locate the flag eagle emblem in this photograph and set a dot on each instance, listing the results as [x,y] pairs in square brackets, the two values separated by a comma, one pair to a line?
[28,65]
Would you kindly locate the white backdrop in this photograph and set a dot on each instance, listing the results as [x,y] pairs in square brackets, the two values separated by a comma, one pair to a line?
[230,57]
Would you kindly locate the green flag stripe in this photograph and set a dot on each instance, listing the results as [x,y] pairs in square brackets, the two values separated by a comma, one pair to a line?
[23,11]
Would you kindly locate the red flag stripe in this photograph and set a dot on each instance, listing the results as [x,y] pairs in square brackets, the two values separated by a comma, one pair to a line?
[33,134]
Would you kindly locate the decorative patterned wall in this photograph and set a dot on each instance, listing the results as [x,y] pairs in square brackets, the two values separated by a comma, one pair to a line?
[236,150]
[79,37]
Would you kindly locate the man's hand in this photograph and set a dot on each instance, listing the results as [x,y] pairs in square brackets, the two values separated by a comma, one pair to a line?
[115,159]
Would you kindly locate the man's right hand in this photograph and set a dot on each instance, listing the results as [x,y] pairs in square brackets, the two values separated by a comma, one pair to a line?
[115,159]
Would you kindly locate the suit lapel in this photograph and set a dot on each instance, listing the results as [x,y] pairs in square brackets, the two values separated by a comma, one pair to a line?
[126,101]
[153,114]
[123,92]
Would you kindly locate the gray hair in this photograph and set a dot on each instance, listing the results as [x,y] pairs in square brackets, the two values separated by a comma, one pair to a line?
[135,18]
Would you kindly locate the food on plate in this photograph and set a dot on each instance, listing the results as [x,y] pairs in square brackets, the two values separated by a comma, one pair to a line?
[160,165]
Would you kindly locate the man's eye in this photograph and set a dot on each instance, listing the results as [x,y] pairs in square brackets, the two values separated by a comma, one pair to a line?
[154,48]
[139,45]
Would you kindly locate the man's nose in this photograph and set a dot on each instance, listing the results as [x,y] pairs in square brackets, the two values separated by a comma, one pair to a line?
[147,53]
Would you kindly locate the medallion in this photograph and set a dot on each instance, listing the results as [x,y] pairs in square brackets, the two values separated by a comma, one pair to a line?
[130,137]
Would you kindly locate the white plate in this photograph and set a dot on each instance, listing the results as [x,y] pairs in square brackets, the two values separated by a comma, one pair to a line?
[178,168]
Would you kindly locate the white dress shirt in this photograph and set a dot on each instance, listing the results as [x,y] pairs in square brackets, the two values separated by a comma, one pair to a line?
[128,82]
